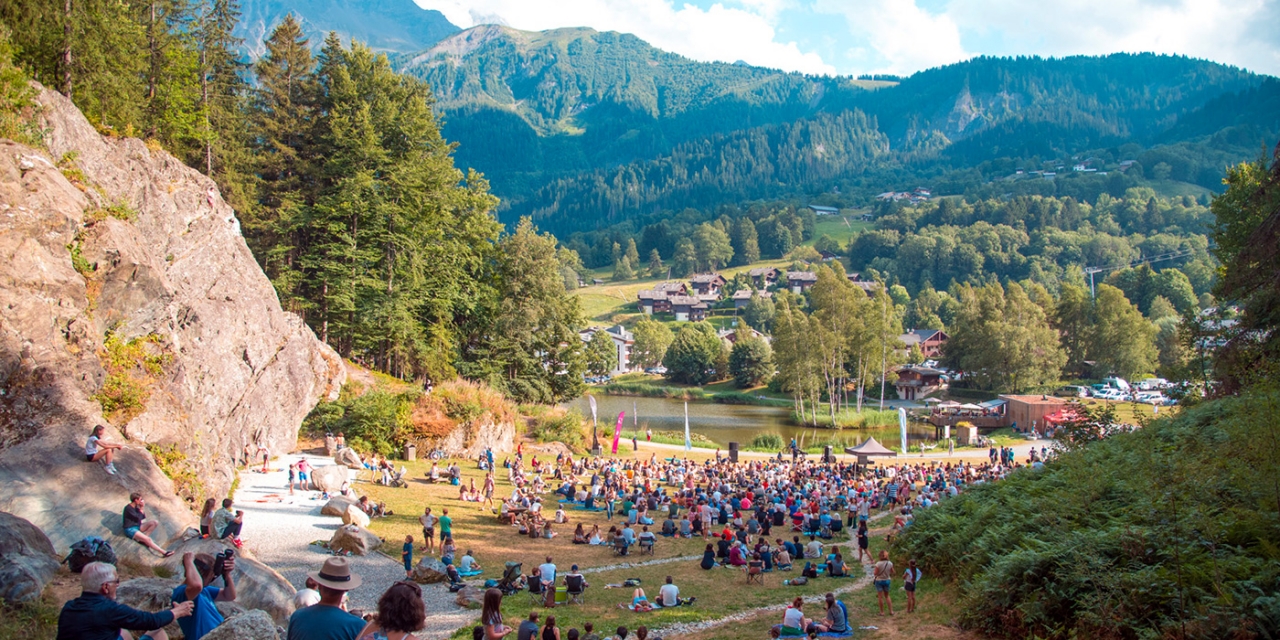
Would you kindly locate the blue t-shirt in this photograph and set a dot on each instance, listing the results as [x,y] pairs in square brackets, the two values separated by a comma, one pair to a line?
[204,617]
[323,622]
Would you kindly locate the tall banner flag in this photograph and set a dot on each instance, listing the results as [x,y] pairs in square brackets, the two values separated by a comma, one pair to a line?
[688,444]
[617,430]
[902,424]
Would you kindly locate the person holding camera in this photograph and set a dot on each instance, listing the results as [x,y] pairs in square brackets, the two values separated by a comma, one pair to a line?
[95,615]
[201,569]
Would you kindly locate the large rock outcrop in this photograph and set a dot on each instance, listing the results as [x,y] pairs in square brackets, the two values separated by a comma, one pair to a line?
[27,560]
[470,439]
[106,237]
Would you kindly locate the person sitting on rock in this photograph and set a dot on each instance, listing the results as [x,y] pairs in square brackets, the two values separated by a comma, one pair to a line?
[98,450]
[95,615]
[199,573]
[138,528]
[371,509]
[227,523]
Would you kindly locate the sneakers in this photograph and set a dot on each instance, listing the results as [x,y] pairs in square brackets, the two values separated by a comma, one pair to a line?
[111,468]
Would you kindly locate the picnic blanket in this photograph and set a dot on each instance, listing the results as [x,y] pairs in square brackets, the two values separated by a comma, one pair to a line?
[468,574]
[832,634]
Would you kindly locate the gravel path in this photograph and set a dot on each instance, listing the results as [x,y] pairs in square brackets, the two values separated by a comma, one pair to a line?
[279,528]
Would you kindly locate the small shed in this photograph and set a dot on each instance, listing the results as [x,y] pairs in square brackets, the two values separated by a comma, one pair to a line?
[1028,412]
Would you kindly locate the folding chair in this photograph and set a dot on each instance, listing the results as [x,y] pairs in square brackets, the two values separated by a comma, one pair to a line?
[646,546]
[755,572]
[577,588]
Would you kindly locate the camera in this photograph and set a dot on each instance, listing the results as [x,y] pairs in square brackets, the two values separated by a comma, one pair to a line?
[220,562]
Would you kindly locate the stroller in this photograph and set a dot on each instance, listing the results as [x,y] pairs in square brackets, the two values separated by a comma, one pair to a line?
[512,581]
[395,479]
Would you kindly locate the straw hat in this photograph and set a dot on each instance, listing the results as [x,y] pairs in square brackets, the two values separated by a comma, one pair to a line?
[336,574]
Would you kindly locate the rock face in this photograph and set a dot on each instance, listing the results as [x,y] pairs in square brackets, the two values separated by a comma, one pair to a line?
[336,506]
[355,539]
[169,266]
[27,560]
[253,625]
[329,478]
[156,594]
[353,515]
[469,440]
[430,570]
[258,586]
[348,458]
[470,598]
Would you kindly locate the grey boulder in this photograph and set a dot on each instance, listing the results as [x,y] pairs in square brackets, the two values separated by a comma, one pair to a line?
[253,625]
[336,506]
[348,458]
[353,515]
[430,570]
[470,598]
[27,560]
[354,539]
[329,478]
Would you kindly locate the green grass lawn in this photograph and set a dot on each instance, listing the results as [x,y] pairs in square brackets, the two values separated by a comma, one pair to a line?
[840,228]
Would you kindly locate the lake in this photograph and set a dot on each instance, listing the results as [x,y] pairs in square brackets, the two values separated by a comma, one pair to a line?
[723,423]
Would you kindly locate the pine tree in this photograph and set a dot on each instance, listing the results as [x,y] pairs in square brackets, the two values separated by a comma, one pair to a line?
[746,243]
[655,264]
[685,261]
[171,91]
[223,146]
[632,255]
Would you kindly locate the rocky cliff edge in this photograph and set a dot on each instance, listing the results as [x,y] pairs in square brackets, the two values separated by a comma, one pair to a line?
[123,275]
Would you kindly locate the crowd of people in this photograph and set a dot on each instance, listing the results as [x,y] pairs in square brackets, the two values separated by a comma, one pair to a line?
[758,516]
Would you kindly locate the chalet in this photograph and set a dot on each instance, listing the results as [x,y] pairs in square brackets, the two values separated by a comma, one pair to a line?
[688,308]
[916,382]
[764,277]
[622,339]
[868,286]
[865,217]
[801,281]
[929,340]
[729,336]
[742,297]
[828,256]
[824,211]
[707,284]
[651,302]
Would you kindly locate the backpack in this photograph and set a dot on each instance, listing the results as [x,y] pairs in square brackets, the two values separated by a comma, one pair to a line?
[796,582]
[90,549]
[631,582]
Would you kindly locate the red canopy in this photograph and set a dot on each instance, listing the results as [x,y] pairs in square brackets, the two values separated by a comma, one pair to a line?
[1065,414]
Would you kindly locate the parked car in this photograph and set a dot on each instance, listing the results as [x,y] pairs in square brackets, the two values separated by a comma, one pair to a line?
[1118,383]
[1071,391]
[1109,394]
[1152,384]
[659,370]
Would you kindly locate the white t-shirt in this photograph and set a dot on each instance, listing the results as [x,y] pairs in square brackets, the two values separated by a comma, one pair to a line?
[548,572]
[792,618]
[91,447]
[668,595]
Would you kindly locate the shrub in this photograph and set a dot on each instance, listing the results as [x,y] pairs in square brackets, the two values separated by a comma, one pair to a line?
[767,442]
[173,462]
[557,424]
[1167,531]
[850,419]
[133,368]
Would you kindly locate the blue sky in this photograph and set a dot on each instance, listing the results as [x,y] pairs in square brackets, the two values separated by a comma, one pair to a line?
[904,36]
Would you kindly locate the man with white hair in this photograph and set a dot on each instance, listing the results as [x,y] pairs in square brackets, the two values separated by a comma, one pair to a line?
[95,615]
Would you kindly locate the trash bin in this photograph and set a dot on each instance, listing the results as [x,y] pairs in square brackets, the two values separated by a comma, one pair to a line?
[410,452]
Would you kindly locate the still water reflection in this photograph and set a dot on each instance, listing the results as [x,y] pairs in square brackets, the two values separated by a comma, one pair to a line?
[723,423]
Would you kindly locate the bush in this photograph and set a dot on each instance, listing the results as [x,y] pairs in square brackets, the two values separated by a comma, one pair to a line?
[767,442]
[850,419]
[557,424]
[1164,532]
[133,368]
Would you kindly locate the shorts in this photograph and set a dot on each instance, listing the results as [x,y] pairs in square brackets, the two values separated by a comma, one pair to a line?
[88,457]
[910,586]
[130,532]
[302,476]
[429,533]
[882,586]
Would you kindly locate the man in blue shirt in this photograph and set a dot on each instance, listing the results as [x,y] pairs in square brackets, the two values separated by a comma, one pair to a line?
[327,620]
[95,615]
[198,569]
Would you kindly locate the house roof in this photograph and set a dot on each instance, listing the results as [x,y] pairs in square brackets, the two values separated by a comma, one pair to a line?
[650,295]
[824,209]
[916,336]
[762,271]
[745,294]
[669,286]
[1041,400]
[802,276]
[707,278]
[684,301]
[924,371]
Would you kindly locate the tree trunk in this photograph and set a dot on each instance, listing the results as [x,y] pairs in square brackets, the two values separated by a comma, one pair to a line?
[66,48]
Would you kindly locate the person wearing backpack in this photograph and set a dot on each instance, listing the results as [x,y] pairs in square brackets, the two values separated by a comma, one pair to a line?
[95,615]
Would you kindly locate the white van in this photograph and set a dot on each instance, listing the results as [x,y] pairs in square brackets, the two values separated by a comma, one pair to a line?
[1118,383]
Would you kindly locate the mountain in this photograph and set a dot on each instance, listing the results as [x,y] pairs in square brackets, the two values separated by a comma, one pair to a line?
[581,128]
[391,26]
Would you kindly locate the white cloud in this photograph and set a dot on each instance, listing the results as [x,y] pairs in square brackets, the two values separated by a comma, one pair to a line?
[904,37]
[744,31]
[1221,30]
